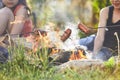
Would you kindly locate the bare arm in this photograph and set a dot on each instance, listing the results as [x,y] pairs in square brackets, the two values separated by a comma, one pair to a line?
[98,43]
[6,16]
[19,21]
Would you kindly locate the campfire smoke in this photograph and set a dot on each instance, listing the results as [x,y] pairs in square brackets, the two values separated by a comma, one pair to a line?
[53,39]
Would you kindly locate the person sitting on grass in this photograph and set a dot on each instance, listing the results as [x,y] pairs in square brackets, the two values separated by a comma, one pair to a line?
[109,28]
[14,20]
[13,17]
[104,43]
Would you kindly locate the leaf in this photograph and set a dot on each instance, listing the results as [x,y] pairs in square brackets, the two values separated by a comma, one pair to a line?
[110,62]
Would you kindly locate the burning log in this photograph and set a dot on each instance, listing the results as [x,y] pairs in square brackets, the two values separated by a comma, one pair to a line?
[61,57]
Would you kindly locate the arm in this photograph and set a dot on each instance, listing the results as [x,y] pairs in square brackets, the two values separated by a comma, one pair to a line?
[101,31]
[19,21]
[6,16]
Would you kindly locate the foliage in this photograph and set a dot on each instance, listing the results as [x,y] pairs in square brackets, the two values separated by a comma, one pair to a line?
[42,11]
[97,6]
[110,62]
[32,2]
[21,68]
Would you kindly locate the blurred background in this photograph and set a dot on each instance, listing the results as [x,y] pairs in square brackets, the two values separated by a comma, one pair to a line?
[59,12]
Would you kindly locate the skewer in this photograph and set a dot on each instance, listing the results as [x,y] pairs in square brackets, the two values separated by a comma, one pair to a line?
[41,31]
[46,31]
[106,26]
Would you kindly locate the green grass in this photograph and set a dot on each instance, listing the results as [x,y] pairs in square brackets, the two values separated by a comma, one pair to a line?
[38,67]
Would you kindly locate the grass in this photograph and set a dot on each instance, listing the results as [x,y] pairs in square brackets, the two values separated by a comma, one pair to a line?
[39,68]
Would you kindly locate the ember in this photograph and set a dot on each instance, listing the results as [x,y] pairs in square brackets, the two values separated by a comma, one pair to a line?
[54,51]
[76,55]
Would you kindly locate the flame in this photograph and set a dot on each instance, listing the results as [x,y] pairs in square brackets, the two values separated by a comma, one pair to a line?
[52,38]
[77,55]
[54,51]
[38,40]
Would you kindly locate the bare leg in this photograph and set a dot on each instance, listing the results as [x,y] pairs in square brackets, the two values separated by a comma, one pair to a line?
[6,17]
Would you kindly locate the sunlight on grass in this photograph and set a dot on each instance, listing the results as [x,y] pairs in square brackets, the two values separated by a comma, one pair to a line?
[40,68]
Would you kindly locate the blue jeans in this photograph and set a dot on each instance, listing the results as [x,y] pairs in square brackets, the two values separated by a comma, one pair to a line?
[3,54]
[104,54]
[88,42]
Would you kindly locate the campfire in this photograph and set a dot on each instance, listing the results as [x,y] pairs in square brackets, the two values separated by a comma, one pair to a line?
[41,38]
[62,45]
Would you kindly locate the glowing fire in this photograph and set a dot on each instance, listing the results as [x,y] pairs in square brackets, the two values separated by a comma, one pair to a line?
[52,39]
[54,51]
[38,39]
[77,55]
[42,39]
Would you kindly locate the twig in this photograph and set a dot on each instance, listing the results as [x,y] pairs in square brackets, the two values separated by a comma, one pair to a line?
[118,44]
[41,30]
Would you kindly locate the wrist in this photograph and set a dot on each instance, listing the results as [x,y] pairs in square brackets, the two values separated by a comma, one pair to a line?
[94,54]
